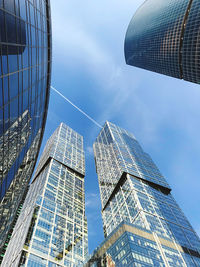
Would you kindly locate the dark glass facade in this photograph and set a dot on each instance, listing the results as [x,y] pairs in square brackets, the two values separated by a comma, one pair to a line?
[25,70]
[164,36]
[134,192]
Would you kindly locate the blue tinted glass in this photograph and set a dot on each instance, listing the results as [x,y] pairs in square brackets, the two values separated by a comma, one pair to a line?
[25,100]
[51,264]
[3,189]
[15,97]
[33,36]
[4,59]
[10,5]
[25,58]
[2,27]
[23,9]
[163,36]
[5,89]
[14,110]
[12,59]
[1,92]
[25,79]
[1,3]
[11,28]
[1,121]
[32,14]
[6,117]
[34,261]
[17,7]
[13,85]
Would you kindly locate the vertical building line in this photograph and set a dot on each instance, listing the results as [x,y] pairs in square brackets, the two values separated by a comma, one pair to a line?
[182,36]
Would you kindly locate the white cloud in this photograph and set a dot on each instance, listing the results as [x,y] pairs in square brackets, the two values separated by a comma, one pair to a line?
[88,35]
[89,151]
[92,201]
[77,41]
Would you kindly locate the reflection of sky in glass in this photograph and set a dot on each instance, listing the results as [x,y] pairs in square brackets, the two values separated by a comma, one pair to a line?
[24,91]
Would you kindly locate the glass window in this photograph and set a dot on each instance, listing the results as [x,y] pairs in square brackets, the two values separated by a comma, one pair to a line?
[11,28]
[4,59]
[9,5]
[13,85]
[12,59]
[34,261]
[49,205]
[2,26]
[14,109]
[5,89]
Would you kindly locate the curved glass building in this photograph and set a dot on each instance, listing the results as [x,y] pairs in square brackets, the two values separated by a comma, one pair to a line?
[25,70]
[164,36]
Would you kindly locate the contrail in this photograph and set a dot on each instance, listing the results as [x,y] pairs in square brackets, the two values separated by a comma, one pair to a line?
[76,107]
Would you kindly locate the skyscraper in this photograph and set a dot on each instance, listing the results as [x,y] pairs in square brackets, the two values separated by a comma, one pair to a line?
[5,245]
[25,71]
[52,227]
[142,222]
[164,36]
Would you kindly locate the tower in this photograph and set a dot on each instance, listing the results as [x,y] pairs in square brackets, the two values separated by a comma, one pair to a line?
[25,71]
[142,222]
[52,227]
[164,36]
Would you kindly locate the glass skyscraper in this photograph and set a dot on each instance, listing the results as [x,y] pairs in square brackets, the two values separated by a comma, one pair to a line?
[164,36]
[5,245]
[25,70]
[142,222]
[52,227]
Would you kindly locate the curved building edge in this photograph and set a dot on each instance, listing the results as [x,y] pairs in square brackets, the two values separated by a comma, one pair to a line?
[40,133]
[176,49]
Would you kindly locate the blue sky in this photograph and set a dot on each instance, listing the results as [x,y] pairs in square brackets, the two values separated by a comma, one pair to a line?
[162,112]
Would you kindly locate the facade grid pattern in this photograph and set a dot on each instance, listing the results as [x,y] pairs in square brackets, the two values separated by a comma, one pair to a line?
[52,228]
[133,191]
[163,36]
[25,67]
[191,45]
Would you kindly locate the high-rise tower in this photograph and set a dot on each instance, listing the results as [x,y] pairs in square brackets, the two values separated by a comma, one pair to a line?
[142,222]
[52,227]
[25,71]
[164,36]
